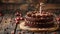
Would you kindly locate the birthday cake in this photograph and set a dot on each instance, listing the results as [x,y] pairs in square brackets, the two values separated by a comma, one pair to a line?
[37,20]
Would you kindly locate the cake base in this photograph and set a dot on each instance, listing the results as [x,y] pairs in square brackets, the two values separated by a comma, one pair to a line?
[23,27]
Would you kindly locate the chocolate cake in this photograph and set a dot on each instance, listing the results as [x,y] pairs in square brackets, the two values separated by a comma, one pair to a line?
[39,20]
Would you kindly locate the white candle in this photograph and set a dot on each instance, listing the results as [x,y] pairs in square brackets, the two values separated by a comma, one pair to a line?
[41,7]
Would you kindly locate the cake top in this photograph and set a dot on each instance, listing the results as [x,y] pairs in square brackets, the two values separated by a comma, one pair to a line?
[37,14]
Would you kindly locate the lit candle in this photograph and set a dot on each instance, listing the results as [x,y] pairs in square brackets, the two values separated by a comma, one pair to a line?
[41,7]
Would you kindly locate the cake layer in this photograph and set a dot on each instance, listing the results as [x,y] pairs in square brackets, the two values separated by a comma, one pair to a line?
[43,20]
[39,25]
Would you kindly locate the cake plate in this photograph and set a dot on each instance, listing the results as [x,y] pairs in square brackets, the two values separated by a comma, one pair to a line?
[23,27]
